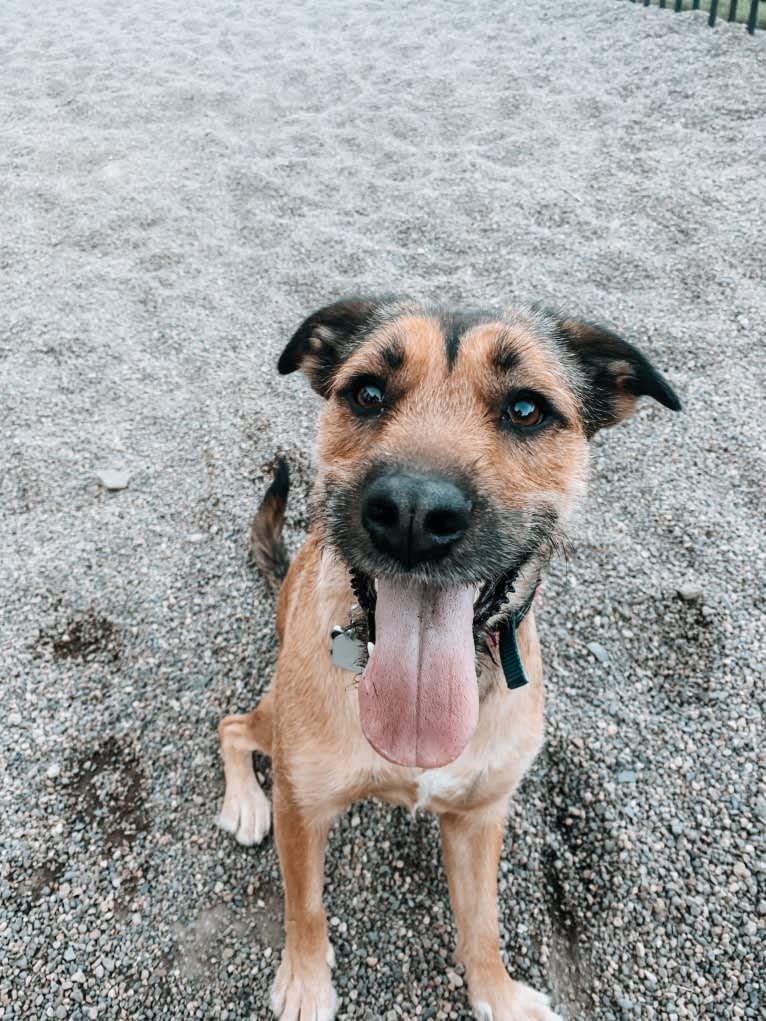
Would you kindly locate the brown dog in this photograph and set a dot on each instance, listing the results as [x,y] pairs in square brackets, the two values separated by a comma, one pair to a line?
[452,452]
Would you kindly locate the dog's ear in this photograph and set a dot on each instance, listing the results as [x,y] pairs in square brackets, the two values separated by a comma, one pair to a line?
[616,373]
[325,339]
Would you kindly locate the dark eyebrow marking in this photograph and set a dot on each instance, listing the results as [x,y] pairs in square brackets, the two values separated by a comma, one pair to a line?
[455,325]
[393,354]
[506,357]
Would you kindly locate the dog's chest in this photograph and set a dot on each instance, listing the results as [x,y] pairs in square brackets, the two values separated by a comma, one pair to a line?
[436,787]
[488,770]
[432,790]
[461,786]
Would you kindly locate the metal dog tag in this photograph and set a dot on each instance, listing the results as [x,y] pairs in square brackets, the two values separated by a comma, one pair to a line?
[348,652]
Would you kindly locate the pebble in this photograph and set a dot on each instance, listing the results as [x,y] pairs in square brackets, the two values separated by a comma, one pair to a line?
[690,592]
[113,479]
[598,651]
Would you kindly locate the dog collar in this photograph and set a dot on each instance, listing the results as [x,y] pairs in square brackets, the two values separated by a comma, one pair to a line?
[350,652]
[505,640]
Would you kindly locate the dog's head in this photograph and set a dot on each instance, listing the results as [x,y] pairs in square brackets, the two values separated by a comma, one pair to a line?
[452,450]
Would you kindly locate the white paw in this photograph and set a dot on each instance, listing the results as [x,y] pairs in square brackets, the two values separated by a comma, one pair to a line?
[246,812]
[517,1003]
[303,996]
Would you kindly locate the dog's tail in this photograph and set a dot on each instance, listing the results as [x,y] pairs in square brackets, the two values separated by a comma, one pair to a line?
[266,545]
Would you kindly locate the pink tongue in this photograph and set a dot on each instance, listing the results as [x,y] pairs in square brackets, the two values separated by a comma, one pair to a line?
[418,696]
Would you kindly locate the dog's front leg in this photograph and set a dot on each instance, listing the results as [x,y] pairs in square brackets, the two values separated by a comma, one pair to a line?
[471,845]
[302,989]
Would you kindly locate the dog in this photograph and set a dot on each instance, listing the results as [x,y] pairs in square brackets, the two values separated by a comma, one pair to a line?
[452,454]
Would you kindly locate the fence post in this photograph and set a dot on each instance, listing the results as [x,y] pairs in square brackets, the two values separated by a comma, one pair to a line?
[679,5]
[752,18]
[713,12]
[732,9]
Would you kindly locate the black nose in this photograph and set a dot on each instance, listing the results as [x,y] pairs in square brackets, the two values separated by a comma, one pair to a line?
[414,518]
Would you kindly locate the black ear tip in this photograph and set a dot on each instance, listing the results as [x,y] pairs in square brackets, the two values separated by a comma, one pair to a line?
[290,359]
[286,364]
[668,397]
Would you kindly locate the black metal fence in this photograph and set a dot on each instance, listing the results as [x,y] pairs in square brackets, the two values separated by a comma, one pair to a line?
[751,13]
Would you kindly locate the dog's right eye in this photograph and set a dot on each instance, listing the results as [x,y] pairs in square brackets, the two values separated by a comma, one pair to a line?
[369,397]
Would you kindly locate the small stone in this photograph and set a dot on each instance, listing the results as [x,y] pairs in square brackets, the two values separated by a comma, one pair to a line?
[53,771]
[741,870]
[113,479]
[690,592]
[14,719]
[69,954]
[79,976]
[626,776]
[454,979]
[598,650]
[677,827]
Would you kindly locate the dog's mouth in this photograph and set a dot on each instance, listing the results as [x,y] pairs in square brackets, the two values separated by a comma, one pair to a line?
[418,693]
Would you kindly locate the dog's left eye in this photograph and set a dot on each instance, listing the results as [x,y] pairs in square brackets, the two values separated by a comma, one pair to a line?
[369,396]
[524,411]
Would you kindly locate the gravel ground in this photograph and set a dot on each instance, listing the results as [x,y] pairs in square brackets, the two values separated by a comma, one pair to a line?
[181,184]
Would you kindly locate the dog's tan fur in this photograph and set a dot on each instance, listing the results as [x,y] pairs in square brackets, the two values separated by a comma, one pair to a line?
[309,721]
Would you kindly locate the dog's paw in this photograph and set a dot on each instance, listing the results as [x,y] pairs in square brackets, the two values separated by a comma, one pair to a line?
[304,994]
[514,1002]
[246,813]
